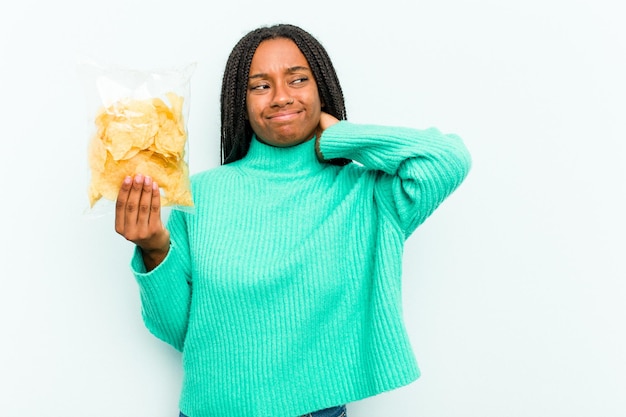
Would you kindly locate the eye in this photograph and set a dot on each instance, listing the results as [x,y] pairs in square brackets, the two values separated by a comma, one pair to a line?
[300,80]
[259,87]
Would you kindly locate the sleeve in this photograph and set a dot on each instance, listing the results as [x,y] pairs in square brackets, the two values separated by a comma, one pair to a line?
[416,169]
[165,291]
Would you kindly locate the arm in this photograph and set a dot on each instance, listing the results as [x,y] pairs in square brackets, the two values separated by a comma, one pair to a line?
[165,291]
[417,169]
[161,260]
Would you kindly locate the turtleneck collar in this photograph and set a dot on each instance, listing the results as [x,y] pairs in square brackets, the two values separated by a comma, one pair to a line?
[288,162]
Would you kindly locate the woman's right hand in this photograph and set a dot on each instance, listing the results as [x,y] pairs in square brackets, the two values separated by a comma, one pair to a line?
[138,218]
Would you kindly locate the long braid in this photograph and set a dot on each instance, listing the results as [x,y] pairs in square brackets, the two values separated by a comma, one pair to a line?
[236,132]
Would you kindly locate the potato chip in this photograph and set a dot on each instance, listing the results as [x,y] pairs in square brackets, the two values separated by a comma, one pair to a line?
[170,139]
[140,136]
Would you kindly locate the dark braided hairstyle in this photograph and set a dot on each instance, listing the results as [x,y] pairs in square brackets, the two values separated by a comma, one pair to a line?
[236,132]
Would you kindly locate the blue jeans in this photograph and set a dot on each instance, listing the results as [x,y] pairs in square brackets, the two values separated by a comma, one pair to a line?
[339,411]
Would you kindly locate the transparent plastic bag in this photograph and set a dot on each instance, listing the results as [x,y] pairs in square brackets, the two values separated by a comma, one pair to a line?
[138,125]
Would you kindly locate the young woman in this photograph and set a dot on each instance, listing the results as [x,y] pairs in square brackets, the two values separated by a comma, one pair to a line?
[282,289]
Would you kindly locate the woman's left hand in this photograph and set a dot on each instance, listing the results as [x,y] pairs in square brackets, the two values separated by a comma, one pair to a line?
[326,121]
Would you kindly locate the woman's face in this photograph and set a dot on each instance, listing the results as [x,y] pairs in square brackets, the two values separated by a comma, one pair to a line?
[282,100]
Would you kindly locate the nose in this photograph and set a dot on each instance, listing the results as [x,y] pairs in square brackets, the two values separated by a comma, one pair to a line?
[282,96]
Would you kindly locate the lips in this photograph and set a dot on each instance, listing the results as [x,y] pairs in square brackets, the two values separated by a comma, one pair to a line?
[284,116]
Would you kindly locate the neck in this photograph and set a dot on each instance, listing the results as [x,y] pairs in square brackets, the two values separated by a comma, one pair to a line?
[288,162]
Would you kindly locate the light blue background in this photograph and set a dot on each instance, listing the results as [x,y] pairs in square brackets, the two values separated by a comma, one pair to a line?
[514,288]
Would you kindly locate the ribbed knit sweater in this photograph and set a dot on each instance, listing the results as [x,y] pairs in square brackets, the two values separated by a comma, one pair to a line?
[283,288]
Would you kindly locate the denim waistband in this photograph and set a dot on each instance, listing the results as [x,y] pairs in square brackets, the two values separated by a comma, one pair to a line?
[339,411]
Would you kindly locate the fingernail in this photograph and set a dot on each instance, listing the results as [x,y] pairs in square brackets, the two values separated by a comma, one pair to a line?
[148,180]
[127,180]
[138,178]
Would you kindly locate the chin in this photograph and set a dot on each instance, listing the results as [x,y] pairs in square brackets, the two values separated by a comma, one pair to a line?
[284,142]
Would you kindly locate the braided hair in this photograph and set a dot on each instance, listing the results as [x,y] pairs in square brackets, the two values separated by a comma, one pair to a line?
[236,132]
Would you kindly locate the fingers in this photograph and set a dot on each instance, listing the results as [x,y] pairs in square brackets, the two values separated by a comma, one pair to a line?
[326,121]
[144,206]
[131,209]
[155,206]
[138,208]
[120,205]
[138,215]
[149,207]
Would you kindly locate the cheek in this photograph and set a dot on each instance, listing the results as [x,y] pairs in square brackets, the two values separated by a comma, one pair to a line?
[253,117]
[248,110]
[253,109]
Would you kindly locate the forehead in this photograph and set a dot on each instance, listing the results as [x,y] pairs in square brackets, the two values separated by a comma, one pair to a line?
[276,54]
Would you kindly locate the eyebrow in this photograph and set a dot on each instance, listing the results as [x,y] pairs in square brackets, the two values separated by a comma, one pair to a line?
[290,70]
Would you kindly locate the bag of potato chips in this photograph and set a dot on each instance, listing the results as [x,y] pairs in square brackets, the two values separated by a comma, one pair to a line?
[139,126]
